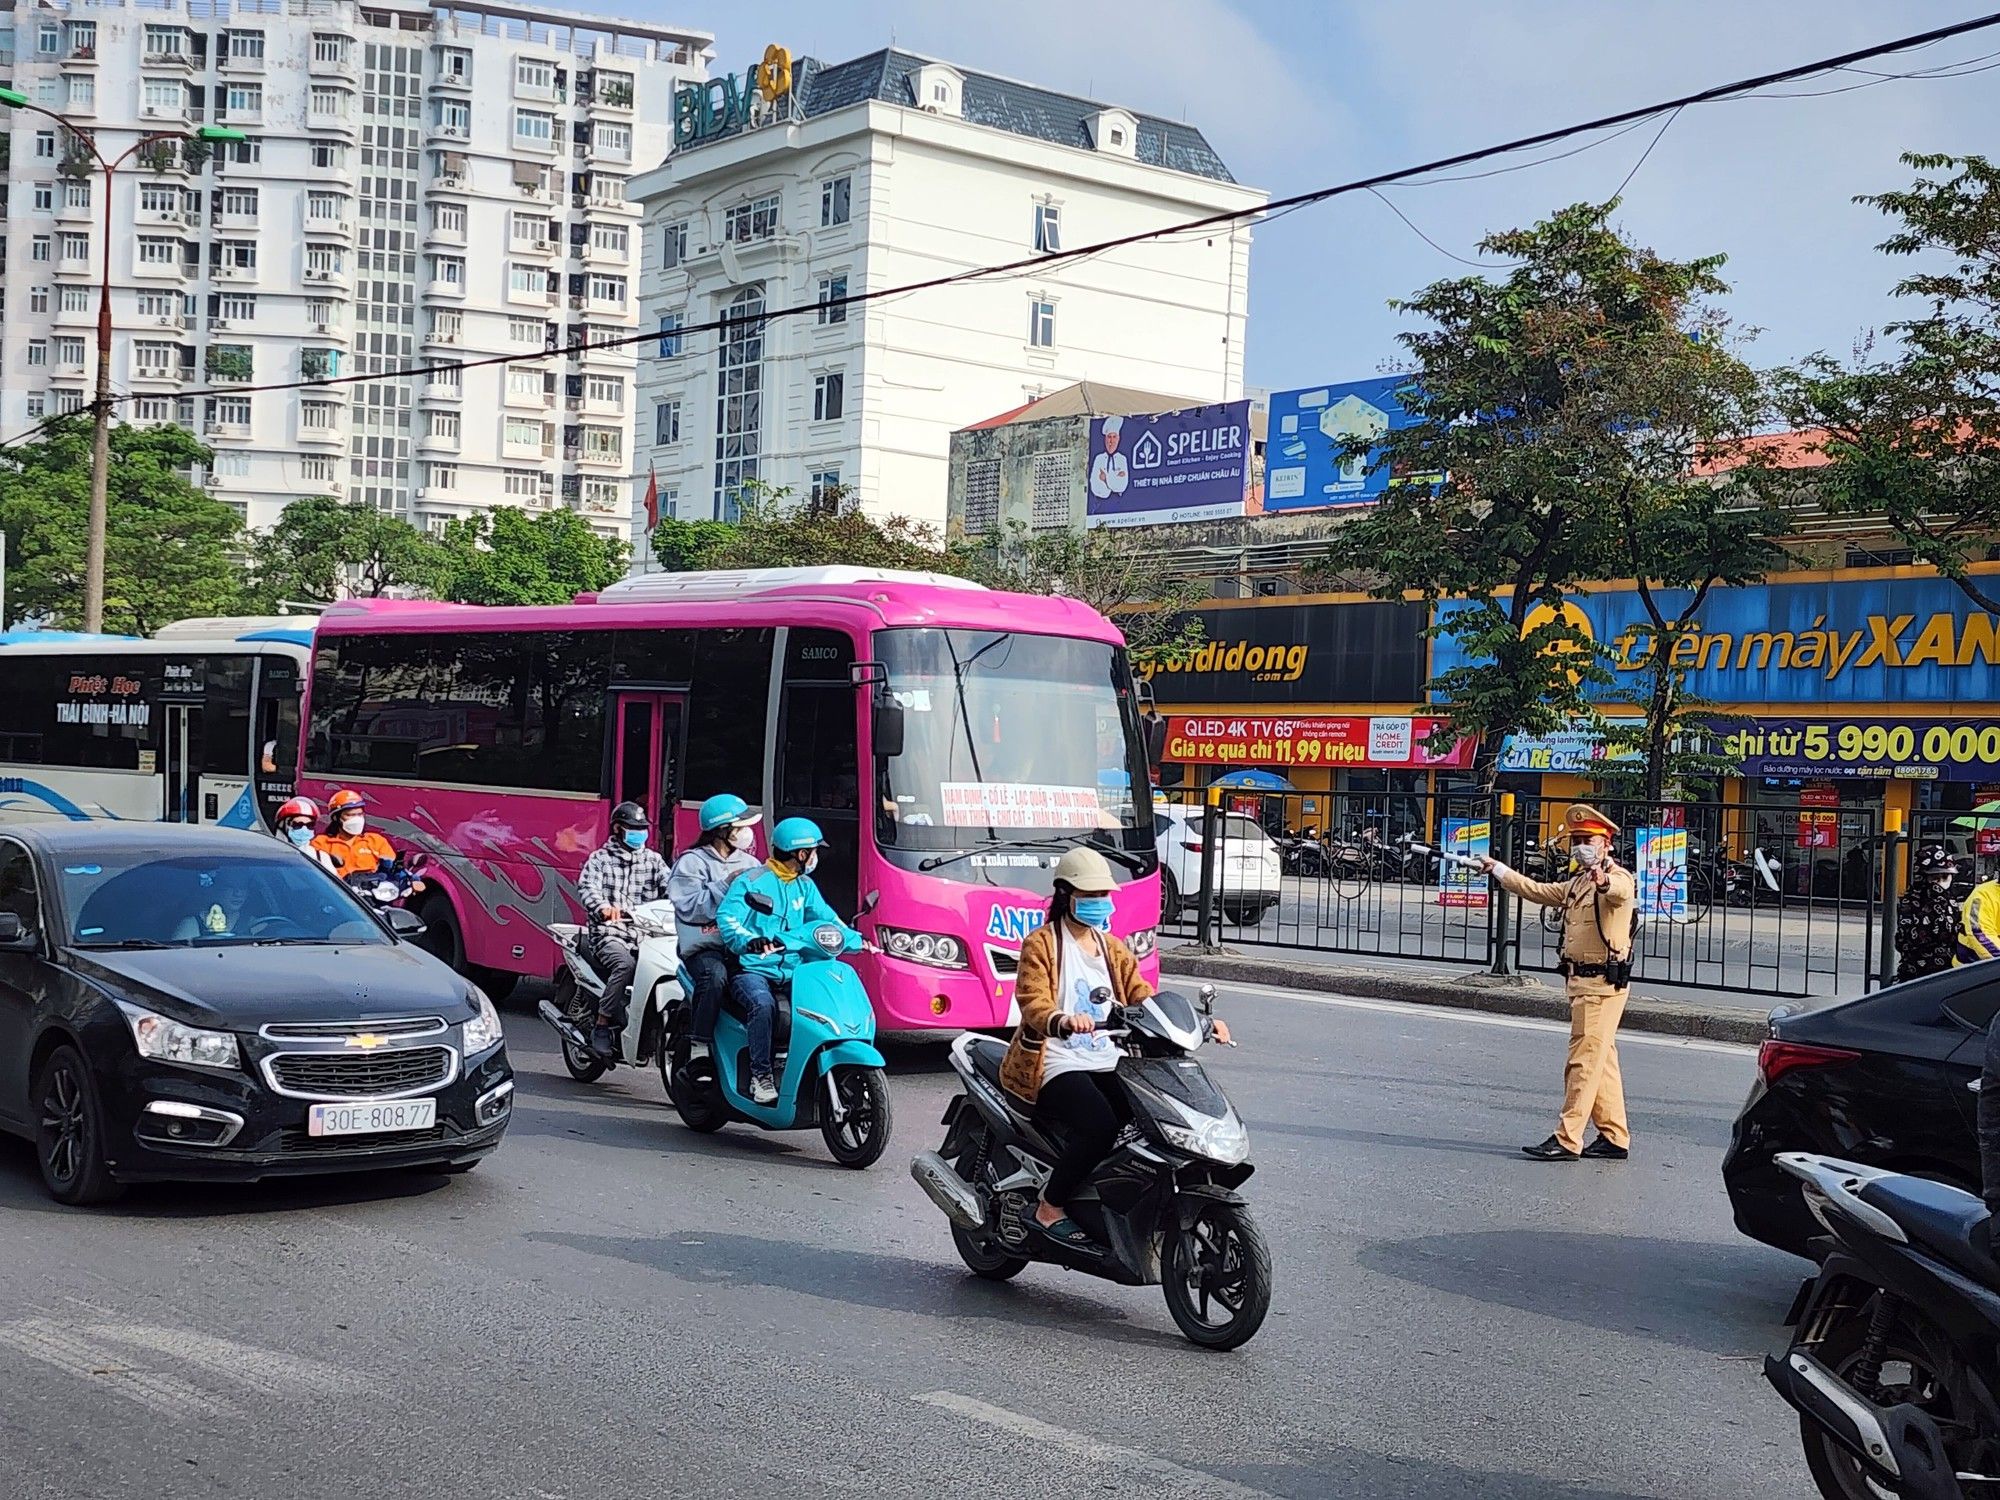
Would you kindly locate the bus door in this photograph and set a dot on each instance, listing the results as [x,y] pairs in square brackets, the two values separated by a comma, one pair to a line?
[275,740]
[646,764]
[180,762]
[818,774]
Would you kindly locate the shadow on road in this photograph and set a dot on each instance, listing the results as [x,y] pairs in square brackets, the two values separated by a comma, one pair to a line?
[1318,1470]
[1720,1299]
[888,1283]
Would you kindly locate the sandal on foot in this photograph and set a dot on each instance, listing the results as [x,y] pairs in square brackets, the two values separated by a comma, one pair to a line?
[1067,1232]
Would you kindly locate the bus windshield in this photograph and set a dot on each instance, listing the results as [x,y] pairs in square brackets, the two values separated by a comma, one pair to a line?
[1014,737]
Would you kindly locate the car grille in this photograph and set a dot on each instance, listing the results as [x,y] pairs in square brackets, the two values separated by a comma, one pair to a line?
[333,1075]
[333,1031]
[294,1140]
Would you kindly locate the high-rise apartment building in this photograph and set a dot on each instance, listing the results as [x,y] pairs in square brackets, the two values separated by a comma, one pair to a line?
[418,186]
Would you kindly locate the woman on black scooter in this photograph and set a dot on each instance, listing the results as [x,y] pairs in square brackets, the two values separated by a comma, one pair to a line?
[1056,1061]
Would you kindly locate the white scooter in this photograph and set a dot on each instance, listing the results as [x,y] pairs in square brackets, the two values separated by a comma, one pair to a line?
[656,988]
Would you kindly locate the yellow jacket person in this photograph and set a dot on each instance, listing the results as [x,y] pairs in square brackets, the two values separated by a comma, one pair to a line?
[1597,904]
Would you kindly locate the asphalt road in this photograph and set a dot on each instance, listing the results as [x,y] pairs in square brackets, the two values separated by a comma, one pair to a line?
[1795,947]
[612,1306]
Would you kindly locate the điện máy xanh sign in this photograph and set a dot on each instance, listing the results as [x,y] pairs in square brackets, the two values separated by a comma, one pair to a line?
[1918,640]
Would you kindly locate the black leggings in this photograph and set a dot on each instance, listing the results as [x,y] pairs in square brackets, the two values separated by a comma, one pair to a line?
[1081,1104]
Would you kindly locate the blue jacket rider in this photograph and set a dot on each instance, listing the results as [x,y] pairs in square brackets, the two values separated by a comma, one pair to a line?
[762,941]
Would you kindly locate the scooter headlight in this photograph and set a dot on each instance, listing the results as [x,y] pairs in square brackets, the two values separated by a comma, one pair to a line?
[1225,1141]
[936,950]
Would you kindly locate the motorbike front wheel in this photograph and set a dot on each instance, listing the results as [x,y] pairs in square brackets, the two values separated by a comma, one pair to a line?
[861,1135]
[1217,1276]
[584,1065]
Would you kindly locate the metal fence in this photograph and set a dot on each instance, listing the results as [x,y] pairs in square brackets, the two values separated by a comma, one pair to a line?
[1779,900]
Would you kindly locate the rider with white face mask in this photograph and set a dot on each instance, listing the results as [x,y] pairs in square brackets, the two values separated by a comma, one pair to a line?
[356,849]
[701,877]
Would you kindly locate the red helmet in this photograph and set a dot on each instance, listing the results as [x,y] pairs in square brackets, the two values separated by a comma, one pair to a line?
[298,807]
[342,800]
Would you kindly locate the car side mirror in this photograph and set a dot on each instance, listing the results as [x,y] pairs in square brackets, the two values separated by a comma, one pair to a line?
[886,729]
[403,923]
[14,934]
[758,901]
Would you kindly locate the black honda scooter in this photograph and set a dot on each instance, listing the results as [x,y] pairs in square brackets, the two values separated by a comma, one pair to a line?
[1161,1209]
[1894,1363]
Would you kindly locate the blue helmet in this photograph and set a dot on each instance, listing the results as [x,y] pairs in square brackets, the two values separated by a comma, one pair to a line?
[795,834]
[724,807]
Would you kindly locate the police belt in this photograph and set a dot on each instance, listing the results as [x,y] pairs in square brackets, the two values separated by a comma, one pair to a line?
[1571,970]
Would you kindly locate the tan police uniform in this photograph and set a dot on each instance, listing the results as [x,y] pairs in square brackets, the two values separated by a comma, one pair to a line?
[1597,931]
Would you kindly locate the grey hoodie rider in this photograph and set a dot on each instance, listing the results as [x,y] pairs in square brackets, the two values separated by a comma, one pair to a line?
[697,885]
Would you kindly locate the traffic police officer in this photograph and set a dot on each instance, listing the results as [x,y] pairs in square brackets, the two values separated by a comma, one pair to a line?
[1597,904]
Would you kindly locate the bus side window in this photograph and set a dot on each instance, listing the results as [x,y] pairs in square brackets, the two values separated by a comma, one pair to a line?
[728,701]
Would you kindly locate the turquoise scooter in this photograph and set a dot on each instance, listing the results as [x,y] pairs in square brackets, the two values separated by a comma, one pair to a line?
[829,1072]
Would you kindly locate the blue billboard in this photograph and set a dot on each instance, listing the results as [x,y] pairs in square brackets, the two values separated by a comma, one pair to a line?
[1859,640]
[1303,466]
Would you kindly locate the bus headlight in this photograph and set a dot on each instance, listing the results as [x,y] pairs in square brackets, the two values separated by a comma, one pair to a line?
[1143,942]
[935,950]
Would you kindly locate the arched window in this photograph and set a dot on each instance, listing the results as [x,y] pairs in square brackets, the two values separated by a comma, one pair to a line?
[739,402]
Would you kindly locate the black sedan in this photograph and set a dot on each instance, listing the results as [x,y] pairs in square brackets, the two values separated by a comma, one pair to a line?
[1882,1080]
[204,1003]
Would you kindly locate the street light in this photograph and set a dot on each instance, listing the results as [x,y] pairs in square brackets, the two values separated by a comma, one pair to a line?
[100,449]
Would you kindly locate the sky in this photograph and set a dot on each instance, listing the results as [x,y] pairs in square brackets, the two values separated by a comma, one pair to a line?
[1297,95]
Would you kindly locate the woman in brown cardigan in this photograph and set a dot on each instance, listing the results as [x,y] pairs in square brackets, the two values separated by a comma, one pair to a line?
[1072,972]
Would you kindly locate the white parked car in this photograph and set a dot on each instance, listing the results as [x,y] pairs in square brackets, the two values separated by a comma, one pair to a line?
[1248,872]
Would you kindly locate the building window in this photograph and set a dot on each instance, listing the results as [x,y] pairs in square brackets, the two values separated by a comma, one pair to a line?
[612,239]
[329,50]
[454,118]
[76,195]
[833,298]
[940,93]
[982,497]
[670,336]
[246,46]
[444,425]
[609,289]
[38,248]
[666,423]
[318,416]
[606,189]
[69,401]
[739,417]
[535,75]
[164,96]
[1117,135]
[442,477]
[152,409]
[455,64]
[674,245]
[159,198]
[154,250]
[825,486]
[525,383]
[446,325]
[154,359]
[232,465]
[1052,477]
[605,390]
[244,99]
[316,470]
[836,197]
[829,396]
[532,127]
[229,411]
[69,351]
[330,103]
[614,141]
[37,405]
[80,299]
[234,309]
[526,281]
[71,246]
[526,432]
[325,208]
[246,153]
[80,91]
[38,353]
[45,145]
[38,298]
[526,331]
[45,197]
[755,220]
[448,270]
[240,201]
[1048,228]
[1042,323]
[522,484]
[328,156]
[241,255]
[445,377]
[151,304]
[48,39]
[603,443]
[325,259]
[527,229]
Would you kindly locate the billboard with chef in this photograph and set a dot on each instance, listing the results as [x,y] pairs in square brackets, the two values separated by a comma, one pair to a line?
[1187,465]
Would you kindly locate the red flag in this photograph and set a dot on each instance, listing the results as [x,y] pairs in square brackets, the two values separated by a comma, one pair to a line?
[652,499]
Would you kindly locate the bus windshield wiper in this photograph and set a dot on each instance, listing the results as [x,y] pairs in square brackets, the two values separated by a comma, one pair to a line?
[1100,840]
[987,846]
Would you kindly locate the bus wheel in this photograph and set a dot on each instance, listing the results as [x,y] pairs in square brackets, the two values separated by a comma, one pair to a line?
[441,937]
[498,983]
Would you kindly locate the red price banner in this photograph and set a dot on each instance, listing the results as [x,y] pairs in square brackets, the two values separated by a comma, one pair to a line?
[1311,740]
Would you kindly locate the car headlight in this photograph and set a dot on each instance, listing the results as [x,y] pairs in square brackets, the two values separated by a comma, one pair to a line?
[935,950]
[1143,942]
[164,1039]
[1225,1141]
[483,1030]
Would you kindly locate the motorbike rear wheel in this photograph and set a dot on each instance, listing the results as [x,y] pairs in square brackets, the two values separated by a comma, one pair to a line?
[1217,1275]
[700,1110]
[859,1139]
[1912,1370]
[584,1065]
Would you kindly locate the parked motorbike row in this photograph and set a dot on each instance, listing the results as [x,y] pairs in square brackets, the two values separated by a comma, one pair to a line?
[1162,1208]
[1367,855]
[1894,1362]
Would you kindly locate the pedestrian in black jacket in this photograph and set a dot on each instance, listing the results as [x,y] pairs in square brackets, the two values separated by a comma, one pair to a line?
[1927,916]
[1989,1120]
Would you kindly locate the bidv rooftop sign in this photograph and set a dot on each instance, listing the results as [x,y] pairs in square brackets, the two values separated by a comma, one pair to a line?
[722,106]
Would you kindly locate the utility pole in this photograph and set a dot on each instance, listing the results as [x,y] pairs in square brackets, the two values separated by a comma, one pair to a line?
[100,440]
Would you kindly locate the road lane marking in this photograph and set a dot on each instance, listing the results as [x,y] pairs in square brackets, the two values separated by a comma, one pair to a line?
[66,1349]
[263,1370]
[1081,1445]
[1475,1017]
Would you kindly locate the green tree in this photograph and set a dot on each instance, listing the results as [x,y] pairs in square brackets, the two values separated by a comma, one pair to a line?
[1537,424]
[506,556]
[690,546]
[1914,435]
[172,551]
[1116,571]
[774,531]
[323,547]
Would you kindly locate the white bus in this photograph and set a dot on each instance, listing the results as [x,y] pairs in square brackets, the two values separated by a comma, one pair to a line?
[199,724]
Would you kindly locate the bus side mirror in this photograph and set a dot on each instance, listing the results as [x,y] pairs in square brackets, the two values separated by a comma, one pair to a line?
[886,728]
[1156,740]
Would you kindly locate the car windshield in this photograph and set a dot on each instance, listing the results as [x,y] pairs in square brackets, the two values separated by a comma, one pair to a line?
[1009,735]
[138,900]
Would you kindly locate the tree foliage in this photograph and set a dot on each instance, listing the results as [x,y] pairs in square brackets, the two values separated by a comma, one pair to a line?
[1113,570]
[171,550]
[1556,407]
[1914,435]
[507,556]
[323,549]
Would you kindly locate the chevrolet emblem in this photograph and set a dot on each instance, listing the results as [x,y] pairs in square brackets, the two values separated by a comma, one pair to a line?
[367,1041]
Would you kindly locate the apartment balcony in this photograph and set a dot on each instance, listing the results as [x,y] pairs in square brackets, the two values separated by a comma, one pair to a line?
[171,322]
[240,67]
[333,436]
[234,275]
[540,452]
[438,286]
[160,377]
[333,228]
[226,431]
[249,222]
[539,147]
[75,213]
[543,250]
[448,133]
[76,266]
[438,234]
[165,116]
[333,328]
[597,204]
[454,173]
[449,393]
[437,442]
[166,62]
[534,192]
[68,364]
[82,317]
[456,84]
[444,338]
[613,103]
[521,298]
[595,458]
[80,106]
[326,276]
[530,400]
[79,55]
[144,216]
[339,64]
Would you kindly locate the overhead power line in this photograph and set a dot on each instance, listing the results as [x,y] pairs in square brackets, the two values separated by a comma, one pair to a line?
[1042,261]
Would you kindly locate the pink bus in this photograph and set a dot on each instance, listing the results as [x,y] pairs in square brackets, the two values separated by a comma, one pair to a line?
[952,741]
